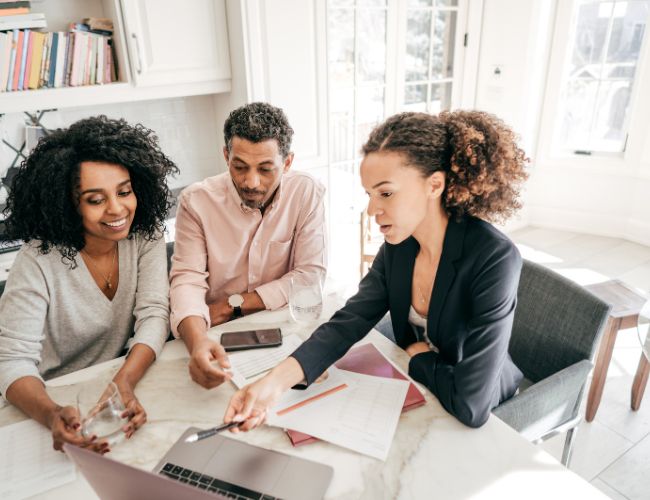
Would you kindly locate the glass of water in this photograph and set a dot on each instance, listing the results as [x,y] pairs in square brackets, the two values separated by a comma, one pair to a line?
[305,298]
[101,414]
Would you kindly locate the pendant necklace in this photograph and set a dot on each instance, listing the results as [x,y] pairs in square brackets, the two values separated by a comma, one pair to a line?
[107,279]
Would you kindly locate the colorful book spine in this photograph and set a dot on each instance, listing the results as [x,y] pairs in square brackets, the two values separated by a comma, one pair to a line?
[19,60]
[12,60]
[51,75]
[5,58]
[37,58]
[45,62]
[23,62]
[27,60]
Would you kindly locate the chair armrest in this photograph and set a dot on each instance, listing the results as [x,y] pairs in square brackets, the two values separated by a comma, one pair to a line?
[547,404]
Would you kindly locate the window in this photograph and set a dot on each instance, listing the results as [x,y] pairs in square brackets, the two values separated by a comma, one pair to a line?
[429,58]
[604,45]
[384,56]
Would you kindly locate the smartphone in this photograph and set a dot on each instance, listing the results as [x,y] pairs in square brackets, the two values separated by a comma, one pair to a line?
[251,339]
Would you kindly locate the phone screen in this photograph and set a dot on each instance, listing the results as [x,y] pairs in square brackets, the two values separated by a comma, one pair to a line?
[251,339]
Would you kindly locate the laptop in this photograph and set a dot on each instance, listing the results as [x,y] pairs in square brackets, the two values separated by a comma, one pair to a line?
[216,467]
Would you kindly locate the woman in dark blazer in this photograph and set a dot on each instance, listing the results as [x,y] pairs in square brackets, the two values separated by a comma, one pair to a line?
[448,278]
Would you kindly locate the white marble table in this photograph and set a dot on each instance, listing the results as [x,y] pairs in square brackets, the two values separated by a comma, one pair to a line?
[432,456]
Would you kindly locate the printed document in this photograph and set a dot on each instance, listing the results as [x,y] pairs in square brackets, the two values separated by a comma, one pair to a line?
[363,417]
[249,365]
[28,463]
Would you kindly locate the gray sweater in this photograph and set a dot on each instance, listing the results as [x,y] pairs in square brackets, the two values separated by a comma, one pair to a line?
[55,320]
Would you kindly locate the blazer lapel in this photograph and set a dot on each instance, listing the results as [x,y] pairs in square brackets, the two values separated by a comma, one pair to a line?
[452,249]
[400,290]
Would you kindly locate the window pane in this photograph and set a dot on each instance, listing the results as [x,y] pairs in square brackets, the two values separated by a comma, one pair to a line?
[415,98]
[444,36]
[418,30]
[370,111]
[371,3]
[628,27]
[590,36]
[341,47]
[341,124]
[440,97]
[341,3]
[611,107]
[372,44]
[420,3]
[446,3]
[578,112]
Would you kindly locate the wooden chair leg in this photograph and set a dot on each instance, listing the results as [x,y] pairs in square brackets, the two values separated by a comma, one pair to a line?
[602,365]
[640,381]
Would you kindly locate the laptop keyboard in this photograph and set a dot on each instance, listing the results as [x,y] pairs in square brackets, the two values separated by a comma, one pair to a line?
[205,482]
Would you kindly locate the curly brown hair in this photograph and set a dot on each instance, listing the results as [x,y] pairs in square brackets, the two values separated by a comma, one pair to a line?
[478,152]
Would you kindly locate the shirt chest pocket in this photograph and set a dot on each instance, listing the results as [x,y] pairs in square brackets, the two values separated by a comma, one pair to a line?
[280,258]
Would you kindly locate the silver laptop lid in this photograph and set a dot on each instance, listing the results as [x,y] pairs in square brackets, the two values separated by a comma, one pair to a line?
[113,480]
[269,472]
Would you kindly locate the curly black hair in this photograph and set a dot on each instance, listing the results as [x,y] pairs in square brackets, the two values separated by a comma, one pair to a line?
[257,122]
[43,200]
[483,165]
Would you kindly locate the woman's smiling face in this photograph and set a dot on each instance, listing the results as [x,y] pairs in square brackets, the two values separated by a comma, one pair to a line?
[106,200]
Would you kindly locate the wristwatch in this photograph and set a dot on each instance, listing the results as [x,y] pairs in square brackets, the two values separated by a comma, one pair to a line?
[235,301]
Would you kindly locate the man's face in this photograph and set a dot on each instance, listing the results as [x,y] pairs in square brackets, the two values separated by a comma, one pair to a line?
[256,169]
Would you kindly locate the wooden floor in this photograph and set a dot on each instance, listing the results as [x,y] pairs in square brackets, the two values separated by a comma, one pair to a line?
[613,451]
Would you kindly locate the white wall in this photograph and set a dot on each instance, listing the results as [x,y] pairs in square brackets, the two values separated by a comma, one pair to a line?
[606,196]
[185,127]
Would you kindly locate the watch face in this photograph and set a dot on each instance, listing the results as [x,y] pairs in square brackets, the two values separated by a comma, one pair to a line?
[235,300]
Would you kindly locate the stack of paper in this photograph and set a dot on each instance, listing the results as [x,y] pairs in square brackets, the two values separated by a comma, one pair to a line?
[361,416]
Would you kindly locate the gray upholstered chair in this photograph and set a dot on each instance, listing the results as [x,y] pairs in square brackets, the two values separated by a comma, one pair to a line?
[555,335]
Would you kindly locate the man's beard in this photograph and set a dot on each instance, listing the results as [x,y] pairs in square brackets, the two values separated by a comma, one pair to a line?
[252,203]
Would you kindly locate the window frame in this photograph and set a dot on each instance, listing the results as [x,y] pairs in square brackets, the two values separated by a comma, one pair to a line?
[551,153]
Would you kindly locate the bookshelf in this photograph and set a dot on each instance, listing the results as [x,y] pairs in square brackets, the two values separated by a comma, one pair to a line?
[161,51]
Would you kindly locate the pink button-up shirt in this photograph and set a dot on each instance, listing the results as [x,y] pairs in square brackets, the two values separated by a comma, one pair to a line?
[224,247]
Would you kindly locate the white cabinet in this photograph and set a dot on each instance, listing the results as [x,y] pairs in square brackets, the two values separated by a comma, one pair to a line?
[172,42]
[164,49]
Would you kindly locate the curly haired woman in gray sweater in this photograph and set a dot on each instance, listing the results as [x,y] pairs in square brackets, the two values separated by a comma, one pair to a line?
[90,280]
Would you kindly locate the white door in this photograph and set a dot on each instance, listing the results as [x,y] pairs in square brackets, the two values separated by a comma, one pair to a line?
[174,42]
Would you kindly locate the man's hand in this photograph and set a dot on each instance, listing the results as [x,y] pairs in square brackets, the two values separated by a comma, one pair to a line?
[417,348]
[203,369]
[220,312]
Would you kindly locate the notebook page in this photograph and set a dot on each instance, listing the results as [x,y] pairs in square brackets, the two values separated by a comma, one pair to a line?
[362,418]
[28,463]
[248,365]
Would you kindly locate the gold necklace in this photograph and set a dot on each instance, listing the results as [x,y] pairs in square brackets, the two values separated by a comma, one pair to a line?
[107,279]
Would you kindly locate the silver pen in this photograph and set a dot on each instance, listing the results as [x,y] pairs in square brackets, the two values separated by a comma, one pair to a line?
[192,438]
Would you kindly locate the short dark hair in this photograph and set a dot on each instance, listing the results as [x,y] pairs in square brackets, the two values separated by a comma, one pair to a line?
[478,153]
[257,122]
[42,204]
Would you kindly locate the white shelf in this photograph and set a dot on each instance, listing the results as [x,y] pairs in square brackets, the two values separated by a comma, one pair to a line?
[69,97]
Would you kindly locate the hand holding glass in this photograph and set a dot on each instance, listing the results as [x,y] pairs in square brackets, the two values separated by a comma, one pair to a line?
[101,415]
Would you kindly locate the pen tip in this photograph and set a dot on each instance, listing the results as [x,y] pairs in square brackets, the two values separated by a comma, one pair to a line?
[191,439]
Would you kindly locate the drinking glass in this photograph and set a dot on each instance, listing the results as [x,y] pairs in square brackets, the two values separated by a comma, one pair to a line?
[305,298]
[101,414]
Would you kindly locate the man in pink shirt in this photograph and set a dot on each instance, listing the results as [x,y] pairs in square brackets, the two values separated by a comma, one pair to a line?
[242,235]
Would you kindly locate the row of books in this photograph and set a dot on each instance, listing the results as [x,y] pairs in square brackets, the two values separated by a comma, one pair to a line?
[32,59]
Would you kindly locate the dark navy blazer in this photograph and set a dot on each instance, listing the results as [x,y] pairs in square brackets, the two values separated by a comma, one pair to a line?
[469,319]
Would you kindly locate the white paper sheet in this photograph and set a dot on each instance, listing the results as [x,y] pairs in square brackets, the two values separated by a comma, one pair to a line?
[362,417]
[249,365]
[28,463]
